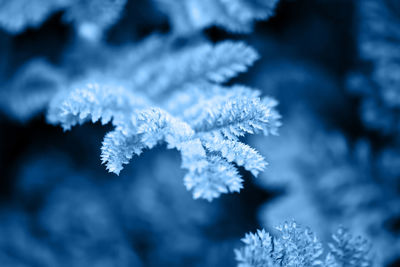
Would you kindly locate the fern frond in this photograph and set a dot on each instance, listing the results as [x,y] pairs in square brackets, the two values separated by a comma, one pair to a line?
[257,252]
[208,175]
[155,124]
[235,151]
[274,121]
[207,152]
[297,246]
[234,118]
[118,149]
[144,130]
[194,65]
[193,155]
[189,102]
[175,99]
[347,250]
[216,178]
[93,102]
[227,59]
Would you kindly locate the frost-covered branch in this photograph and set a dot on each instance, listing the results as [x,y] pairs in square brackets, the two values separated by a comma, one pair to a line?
[297,246]
[176,99]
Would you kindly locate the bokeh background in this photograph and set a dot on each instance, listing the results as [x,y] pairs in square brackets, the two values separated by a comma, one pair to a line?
[333,66]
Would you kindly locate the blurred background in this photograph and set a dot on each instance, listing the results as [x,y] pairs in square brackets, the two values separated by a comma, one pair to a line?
[333,66]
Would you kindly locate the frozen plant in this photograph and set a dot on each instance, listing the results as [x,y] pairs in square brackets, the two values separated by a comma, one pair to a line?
[297,246]
[196,115]
[166,92]
[167,89]
[335,183]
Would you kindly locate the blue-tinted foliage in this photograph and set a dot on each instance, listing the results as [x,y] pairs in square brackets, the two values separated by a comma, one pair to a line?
[333,184]
[188,92]
[296,246]
[379,45]
[176,98]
